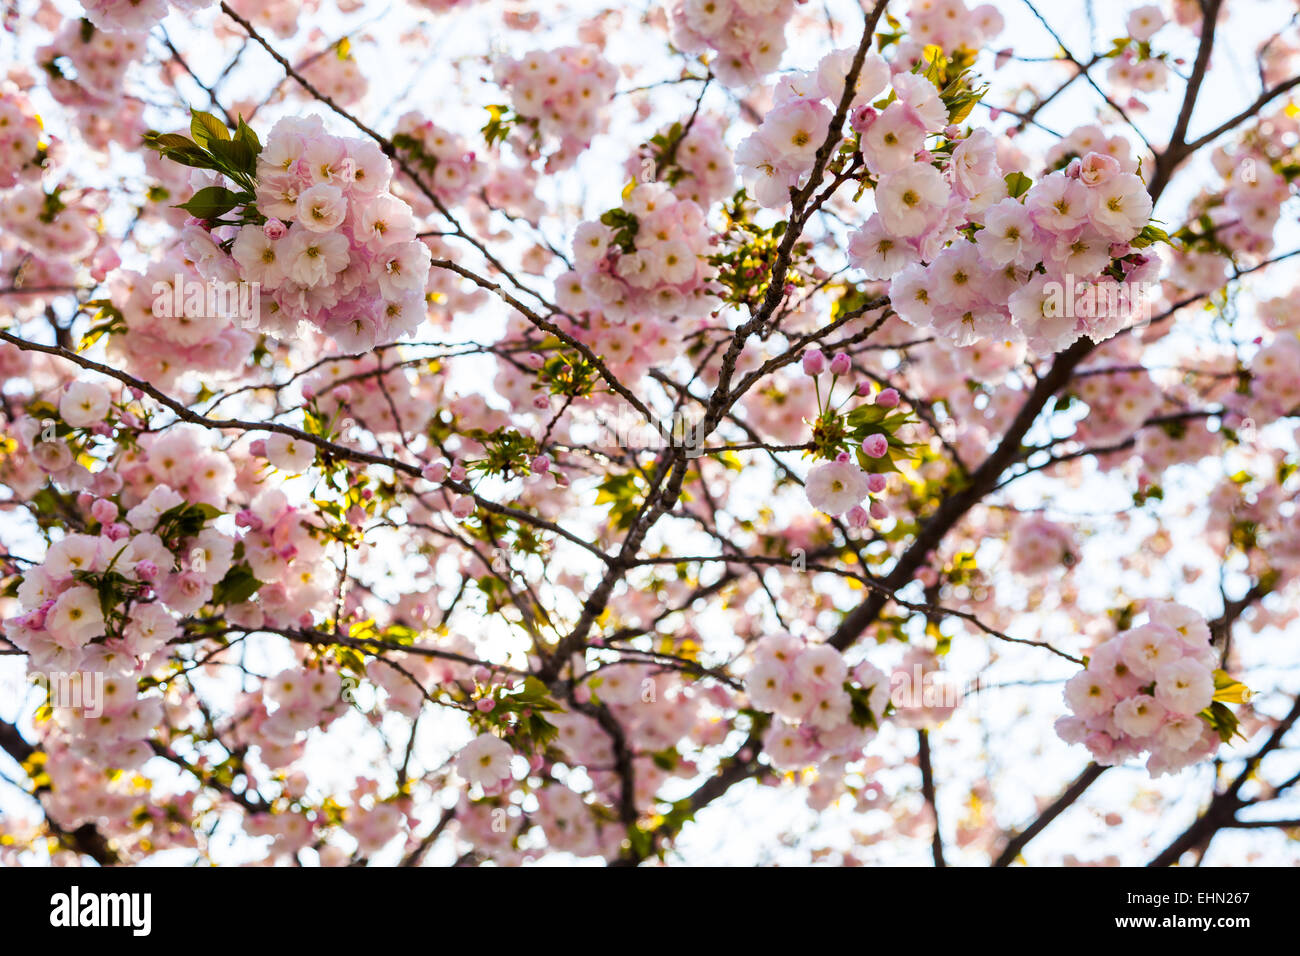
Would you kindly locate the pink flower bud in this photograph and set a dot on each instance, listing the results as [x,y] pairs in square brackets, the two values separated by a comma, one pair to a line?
[879,511]
[457,472]
[842,457]
[146,570]
[841,364]
[887,398]
[861,118]
[343,393]
[875,446]
[814,362]
[103,511]
[542,402]
[481,674]
[274,229]
[540,465]
[463,506]
[535,360]
[84,500]
[257,448]
[435,472]
[116,531]
[864,388]
[858,517]
[876,483]
[485,706]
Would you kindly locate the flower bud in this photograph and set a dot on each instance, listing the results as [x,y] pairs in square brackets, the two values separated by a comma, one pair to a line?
[875,446]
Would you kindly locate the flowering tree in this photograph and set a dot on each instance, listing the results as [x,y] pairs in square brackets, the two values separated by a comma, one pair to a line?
[708,430]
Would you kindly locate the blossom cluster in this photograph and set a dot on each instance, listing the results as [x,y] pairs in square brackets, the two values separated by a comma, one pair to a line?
[1049,266]
[648,257]
[804,686]
[205,337]
[304,698]
[20,137]
[337,250]
[949,25]
[447,166]
[128,15]
[118,735]
[1119,402]
[281,17]
[287,560]
[1243,215]
[93,89]
[337,74]
[747,35]
[145,575]
[701,169]
[1039,545]
[47,224]
[560,93]
[778,156]
[1144,691]
[1134,67]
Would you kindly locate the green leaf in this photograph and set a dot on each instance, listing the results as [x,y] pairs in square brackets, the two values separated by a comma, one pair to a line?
[1149,234]
[160,141]
[235,155]
[211,202]
[206,129]
[244,134]
[185,520]
[237,586]
[1223,720]
[1018,184]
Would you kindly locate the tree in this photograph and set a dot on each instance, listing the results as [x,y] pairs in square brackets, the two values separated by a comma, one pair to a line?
[467,431]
